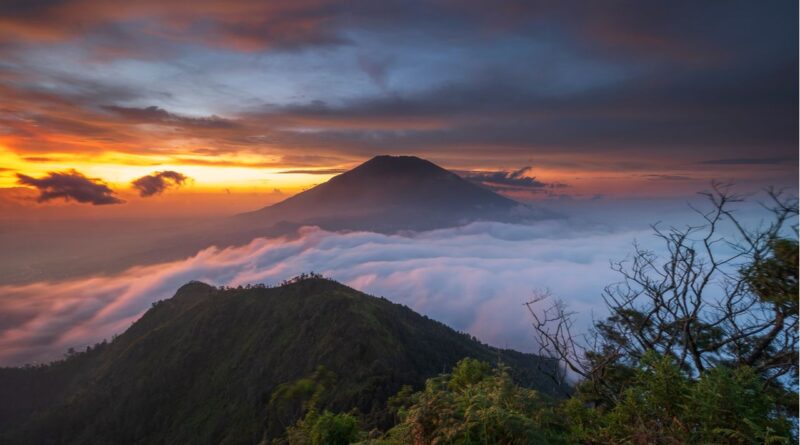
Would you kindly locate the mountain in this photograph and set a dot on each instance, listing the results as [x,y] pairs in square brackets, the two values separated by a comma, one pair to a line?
[202,366]
[391,193]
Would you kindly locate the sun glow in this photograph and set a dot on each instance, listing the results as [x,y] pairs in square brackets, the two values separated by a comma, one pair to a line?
[119,169]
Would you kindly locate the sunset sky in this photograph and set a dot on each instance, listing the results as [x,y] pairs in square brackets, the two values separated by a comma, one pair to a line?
[251,101]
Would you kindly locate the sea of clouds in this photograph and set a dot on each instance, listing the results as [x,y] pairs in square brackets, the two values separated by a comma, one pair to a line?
[474,278]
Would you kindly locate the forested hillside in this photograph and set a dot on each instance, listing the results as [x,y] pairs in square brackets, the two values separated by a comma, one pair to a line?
[202,367]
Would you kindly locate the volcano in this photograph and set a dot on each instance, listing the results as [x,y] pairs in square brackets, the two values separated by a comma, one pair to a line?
[392,193]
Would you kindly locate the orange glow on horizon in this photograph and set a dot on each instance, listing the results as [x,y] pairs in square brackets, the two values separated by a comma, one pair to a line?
[119,169]
[240,182]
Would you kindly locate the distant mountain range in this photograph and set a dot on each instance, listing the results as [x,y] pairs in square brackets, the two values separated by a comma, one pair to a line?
[202,367]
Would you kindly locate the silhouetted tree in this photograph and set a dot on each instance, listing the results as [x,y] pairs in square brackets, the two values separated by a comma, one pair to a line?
[724,294]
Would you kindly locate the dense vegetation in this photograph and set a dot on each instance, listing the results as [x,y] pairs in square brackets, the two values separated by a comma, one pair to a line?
[216,366]
[479,405]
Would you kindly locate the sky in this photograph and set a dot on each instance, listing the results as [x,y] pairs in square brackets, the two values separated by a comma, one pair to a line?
[252,101]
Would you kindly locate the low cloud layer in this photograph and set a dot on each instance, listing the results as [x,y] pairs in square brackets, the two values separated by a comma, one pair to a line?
[474,278]
[70,186]
[156,183]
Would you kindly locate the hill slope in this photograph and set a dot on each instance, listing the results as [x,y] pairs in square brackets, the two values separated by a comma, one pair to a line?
[389,193]
[201,366]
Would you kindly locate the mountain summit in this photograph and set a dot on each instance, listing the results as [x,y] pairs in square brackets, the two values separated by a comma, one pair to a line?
[390,193]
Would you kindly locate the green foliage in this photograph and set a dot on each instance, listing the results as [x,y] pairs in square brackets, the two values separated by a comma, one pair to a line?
[334,429]
[732,406]
[314,429]
[468,372]
[290,400]
[660,405]
[323,429]
[774,279]
[663,406]
[473,405]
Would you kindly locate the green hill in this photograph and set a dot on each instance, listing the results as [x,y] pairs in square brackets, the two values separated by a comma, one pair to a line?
[201,367]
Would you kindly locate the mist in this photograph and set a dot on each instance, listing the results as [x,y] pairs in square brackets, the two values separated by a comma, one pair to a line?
[474,278]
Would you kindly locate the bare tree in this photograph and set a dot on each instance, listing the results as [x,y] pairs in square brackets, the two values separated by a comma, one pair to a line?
[723,294]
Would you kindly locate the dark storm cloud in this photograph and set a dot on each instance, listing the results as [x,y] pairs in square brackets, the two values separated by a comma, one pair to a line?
[70,186]
[242,24]
[156,115]
[747,161]
[157,182]
[679,30]
[39,107]
[376,68]
[681,112]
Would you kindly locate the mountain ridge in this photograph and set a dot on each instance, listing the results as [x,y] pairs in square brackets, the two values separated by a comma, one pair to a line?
[200,367]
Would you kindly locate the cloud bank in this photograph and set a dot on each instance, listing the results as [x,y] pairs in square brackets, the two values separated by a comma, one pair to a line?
[474,278]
